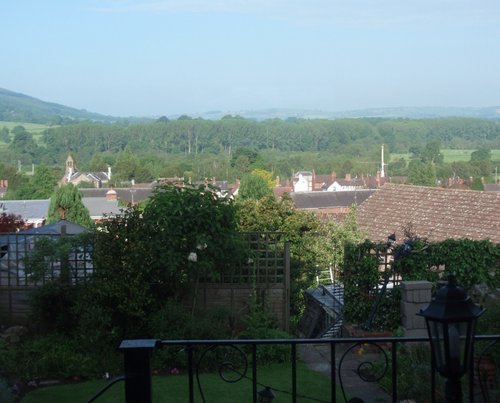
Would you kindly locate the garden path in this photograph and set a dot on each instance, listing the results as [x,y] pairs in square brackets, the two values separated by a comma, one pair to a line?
[317,357]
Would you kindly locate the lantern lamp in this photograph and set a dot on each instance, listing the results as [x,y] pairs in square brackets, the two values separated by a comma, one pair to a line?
[451,322]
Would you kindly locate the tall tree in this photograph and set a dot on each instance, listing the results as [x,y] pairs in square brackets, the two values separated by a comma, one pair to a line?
[39,186]
[66,204]
[254,186]
[420,173]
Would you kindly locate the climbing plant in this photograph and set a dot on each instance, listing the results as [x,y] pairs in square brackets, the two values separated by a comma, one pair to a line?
[472,262]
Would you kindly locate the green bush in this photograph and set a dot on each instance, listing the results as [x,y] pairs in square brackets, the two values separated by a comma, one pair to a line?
[472,262]
[6,394]
[258,324]
[52,307]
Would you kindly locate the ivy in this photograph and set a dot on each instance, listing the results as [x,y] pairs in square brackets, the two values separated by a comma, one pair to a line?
[472,262]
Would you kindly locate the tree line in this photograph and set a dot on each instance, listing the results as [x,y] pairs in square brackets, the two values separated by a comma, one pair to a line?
[232,147]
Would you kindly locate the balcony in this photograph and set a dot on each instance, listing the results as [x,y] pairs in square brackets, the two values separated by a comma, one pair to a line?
[362,366]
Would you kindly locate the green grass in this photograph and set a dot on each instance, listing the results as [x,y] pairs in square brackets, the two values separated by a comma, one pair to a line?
[174,388]
[34,128]
[449,155]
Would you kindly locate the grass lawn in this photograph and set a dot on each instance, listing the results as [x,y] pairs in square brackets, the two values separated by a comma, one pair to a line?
[174,388]
[450,155]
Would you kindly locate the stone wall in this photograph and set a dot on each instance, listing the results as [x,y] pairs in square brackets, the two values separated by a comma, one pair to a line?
[415,295]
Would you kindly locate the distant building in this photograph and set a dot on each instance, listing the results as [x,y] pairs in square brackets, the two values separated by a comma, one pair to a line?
[329,205]
[74,176]
[32,212]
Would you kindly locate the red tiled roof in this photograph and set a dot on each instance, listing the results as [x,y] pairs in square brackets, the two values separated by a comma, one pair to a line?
[434,213]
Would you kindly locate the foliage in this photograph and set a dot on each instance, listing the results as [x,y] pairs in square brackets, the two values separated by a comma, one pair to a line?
[52,307]
[66,204]
[10,223]
[40,186]
[174,321]
[472,262]
[6,394]
[412,365]
[313,244]
[254,186]
[258,324]
[477,184]
[184,234]
[421,173]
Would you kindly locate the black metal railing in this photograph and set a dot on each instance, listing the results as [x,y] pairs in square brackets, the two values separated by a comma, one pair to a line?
[366,361]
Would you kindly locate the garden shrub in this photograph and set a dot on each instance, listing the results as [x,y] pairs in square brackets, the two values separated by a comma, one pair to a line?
[52,307]
[6,394]
[258,324]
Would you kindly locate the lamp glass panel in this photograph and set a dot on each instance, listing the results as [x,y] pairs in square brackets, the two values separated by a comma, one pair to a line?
[437,339]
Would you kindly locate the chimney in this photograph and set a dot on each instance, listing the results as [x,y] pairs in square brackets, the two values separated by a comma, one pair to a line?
[109,172]
[111,195]
[348,177]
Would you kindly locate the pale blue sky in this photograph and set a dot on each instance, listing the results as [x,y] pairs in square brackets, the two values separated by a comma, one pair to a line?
[166,57]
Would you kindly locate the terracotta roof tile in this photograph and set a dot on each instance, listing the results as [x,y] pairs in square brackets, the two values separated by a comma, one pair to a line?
[434,213]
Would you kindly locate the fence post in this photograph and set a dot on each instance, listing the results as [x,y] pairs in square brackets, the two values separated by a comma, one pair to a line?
[136,359]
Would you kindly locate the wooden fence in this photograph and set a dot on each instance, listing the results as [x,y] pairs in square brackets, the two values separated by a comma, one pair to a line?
[266,275]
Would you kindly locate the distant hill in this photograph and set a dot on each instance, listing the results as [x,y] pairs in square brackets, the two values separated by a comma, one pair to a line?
[15,107]
[398,112]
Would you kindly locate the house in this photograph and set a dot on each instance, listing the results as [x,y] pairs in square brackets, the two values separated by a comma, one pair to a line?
[433,213]
[101,207]
[124,196]
[32,212]
[74,176]
[303,181]
[330,204]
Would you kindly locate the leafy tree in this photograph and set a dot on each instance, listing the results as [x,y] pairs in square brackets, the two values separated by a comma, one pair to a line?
[251,156]
[23,142]
[182,235]
[128,167]
[254,186]
[397,168]
[432,152]
[66,204]
[39,186]
[420,173]
[477,184]
[481,154]
[4,135]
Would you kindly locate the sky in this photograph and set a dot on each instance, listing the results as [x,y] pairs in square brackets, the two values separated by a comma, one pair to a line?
[171,57]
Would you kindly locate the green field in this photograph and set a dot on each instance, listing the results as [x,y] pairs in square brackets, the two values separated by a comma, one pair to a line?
[34,128]
[450,155]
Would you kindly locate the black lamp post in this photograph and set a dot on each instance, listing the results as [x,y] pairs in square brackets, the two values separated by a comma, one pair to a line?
[266,395]
[451,322]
